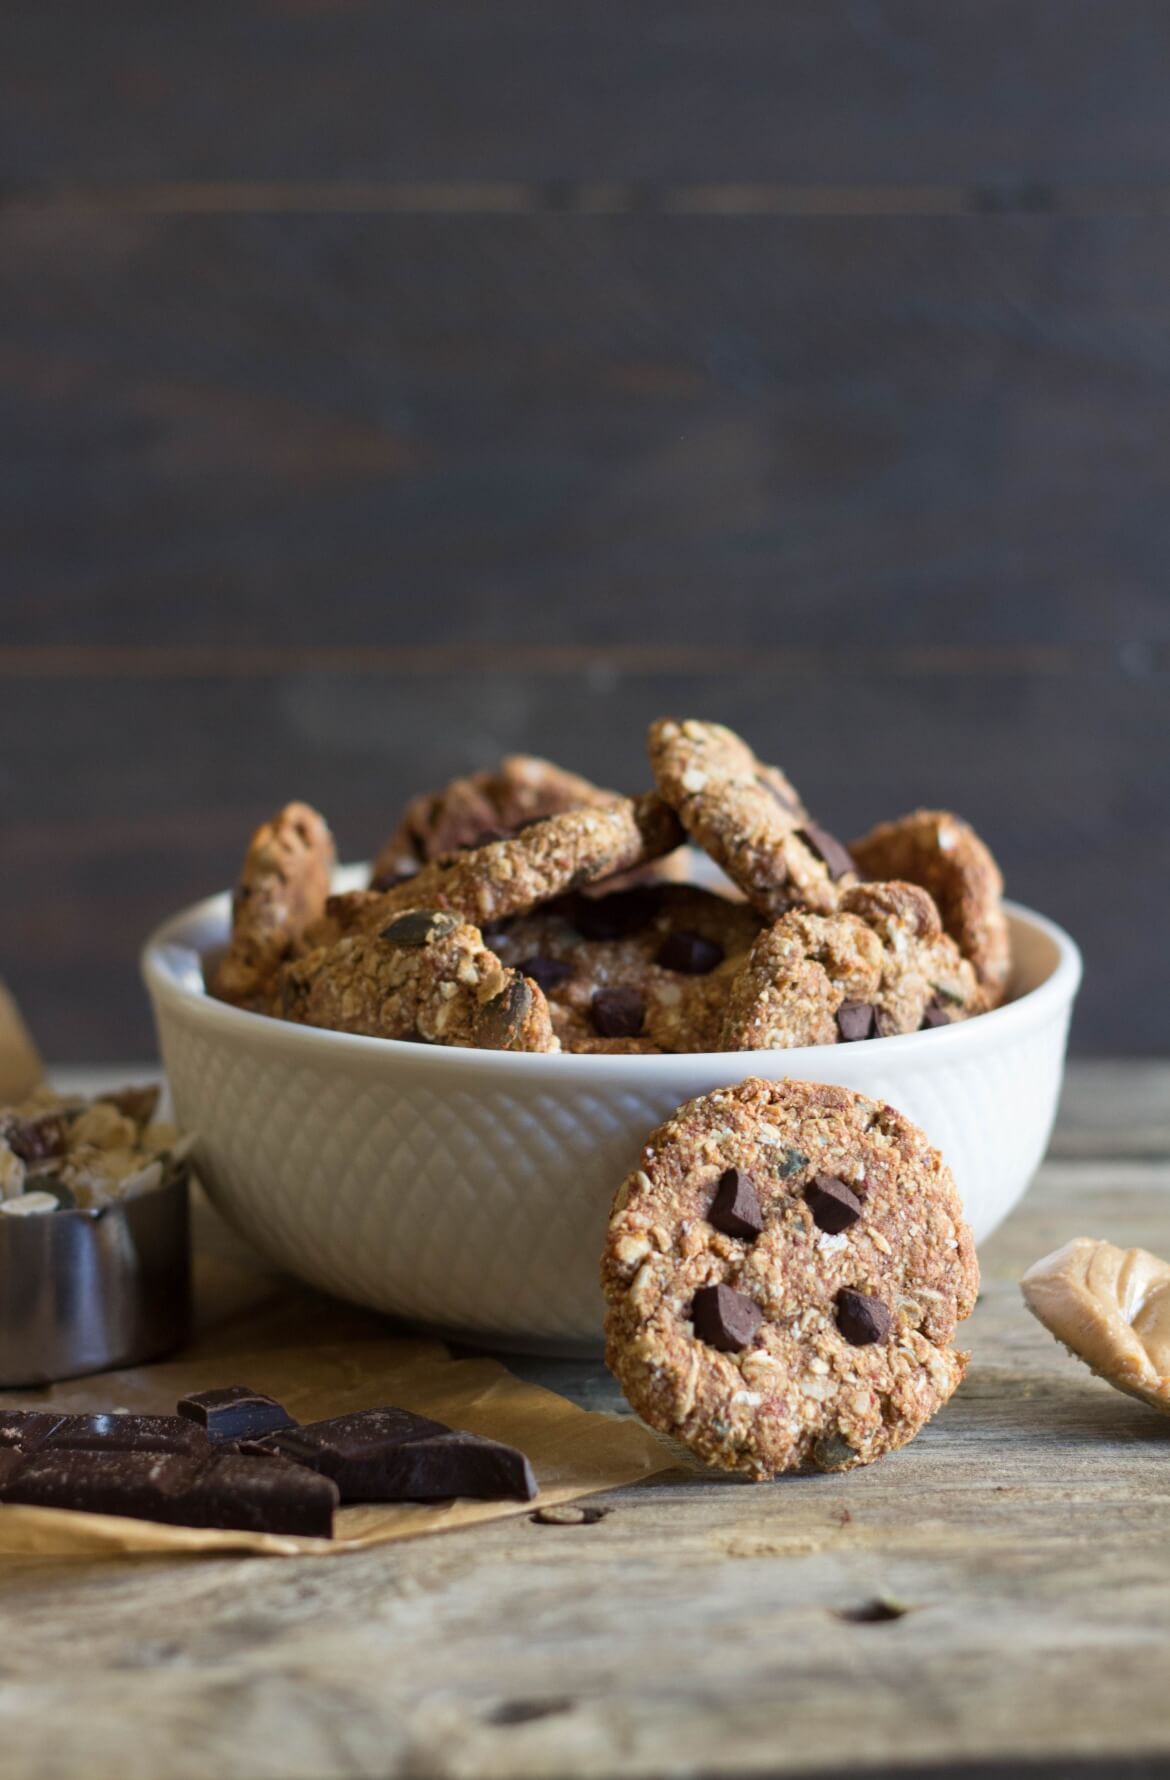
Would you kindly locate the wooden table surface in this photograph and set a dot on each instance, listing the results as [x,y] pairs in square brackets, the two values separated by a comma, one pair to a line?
[699,1627]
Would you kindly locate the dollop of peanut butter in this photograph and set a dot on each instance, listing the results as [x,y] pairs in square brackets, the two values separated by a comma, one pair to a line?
[1111,1308]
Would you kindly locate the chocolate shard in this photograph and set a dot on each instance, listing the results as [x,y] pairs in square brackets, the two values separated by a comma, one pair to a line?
[855,1019]
[735,1208]
[366,1456]
[23,1430]
[833,1203]
[618,1012]
[689,953]
[861,1319]
[546,973]
[617,915]
[145,1485]
[128,1433]
[454,1464]
[934,1014]
[418,927]
[259,1495]
[724,1318]
[828,848]
[235,1413]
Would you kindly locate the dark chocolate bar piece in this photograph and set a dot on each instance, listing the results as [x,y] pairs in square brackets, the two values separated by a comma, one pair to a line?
[143,1484]
[129,1433]
[453,1464]
[266,1495]
[235,1413]
[257,1495]
[391,1455]
[26,1429]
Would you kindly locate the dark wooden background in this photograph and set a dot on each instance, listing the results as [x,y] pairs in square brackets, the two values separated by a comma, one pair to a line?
[385,386]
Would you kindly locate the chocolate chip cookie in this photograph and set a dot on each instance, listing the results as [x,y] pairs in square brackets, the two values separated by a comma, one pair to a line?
[548,858]
[783,1276]
[646,969]
[945,855]
[880,966]
[480,807]
[749,819]
[281,892]
[425,975]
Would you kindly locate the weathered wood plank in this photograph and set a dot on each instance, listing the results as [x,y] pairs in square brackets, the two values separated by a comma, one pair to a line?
[981,91]
[776,432]
[698,1628]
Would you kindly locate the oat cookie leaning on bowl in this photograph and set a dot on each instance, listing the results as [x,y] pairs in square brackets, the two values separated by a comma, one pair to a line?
[747,817]
[282,889]
[944,854]
[880,966]
[783,1277]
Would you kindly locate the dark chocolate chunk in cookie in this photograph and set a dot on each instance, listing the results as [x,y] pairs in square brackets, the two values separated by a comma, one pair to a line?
[618,1012]
[934,1014]
[689,953]
[855,1020]
[616,916]
[546,973]
[725,1318]
[826,846]
[735,1208]
[861,1319]
[834,1205]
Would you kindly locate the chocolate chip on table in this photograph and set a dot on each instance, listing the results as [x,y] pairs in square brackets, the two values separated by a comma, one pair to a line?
[617,1013]
[855,1019]
[861,1319]
[828,848]
[724,1318]
[735,1208]
[418,927]
[689,953]
[934,1014]
[235,1413]
[617,915]
[546,973]
[834,1205]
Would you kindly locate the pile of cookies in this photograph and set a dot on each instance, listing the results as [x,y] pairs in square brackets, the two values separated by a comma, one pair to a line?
[526,909]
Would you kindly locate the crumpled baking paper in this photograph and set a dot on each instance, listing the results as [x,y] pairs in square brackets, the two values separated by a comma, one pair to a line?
[320,1358]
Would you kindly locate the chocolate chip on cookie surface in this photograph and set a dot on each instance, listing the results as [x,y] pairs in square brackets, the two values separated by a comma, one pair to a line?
[543,861]
[747,817]
[425,976]
[653,963]
[880,966]
[522,788]
[281,892]
[944,855]
[821,1328]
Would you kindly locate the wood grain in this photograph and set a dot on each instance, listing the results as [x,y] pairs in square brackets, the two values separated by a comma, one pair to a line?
[983,92]
[701,1626]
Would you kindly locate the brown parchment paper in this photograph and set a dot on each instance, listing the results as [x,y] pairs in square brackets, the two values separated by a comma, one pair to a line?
[320,1358]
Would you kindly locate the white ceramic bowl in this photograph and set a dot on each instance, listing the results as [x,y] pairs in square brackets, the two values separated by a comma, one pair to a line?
[469,1190]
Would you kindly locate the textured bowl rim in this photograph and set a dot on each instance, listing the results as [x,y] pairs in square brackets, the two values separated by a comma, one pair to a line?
[1055,992]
